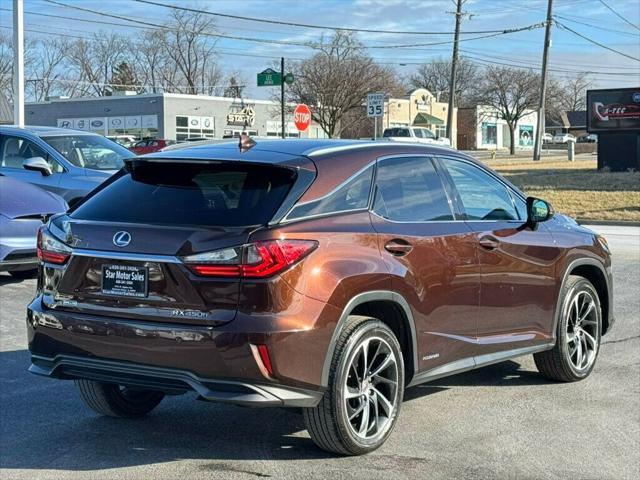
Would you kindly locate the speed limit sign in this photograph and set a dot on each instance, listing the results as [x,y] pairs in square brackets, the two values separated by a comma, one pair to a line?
[375,104]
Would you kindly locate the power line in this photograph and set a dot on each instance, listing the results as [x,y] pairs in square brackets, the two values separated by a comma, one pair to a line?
[306,25]
[164,27]
[563,26]
[521,64]
[229,51]
[46,33]
[586,24]
[618,15]
[581,67]
[287,42]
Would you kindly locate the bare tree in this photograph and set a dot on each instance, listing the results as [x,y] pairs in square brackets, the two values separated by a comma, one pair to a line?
[234,85]
[336,80]
[567,95]
[512,92]
[48,71]
[192,50]
[434,76]
[94,60]
[6,65]
[574,92]
[149,60]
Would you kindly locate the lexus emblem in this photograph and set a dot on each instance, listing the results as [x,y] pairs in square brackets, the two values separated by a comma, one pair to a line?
[122,239]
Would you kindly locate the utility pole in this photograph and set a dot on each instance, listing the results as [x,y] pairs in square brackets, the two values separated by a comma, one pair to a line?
[282,96]
[18,62]
[454,68]
[540,127]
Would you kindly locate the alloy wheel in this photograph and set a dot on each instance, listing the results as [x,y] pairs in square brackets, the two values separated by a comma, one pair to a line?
[371,388]
[582,330]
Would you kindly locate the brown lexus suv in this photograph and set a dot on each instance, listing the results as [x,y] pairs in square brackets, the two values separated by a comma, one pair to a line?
[320,274]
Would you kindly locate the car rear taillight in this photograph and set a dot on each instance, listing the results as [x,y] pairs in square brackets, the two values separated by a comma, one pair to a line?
[255,260]
[50,249]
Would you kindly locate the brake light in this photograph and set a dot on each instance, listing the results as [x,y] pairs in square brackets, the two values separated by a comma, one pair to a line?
[255,260]
[50,249]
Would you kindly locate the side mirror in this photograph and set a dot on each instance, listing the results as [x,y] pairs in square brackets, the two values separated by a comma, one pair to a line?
[37,164]
[538,210]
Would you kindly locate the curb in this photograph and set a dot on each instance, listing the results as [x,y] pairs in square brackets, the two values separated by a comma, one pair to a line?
[607,223]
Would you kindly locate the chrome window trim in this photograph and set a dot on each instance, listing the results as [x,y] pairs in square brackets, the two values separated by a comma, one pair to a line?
[427,156]
[416,221]
[140,257]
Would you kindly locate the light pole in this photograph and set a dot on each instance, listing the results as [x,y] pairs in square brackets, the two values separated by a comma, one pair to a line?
[18,62]
[537,146]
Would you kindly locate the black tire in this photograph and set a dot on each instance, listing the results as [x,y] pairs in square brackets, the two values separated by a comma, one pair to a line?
[557,364]
[24,274]
[115,401]
[327,423]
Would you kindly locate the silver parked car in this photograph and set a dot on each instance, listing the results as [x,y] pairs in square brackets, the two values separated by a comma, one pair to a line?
[69,163]
[23,209]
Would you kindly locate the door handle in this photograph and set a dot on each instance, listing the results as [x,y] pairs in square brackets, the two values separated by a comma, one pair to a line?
[398,247]
[489,242]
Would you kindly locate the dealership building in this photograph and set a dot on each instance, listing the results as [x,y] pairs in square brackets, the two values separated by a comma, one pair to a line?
[482,128]
[166,115]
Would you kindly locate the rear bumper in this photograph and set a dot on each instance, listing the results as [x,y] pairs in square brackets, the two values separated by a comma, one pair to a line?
[24,262]
[217,363]
[172,381]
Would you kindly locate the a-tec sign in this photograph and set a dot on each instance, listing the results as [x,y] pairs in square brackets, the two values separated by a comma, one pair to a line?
[613,110]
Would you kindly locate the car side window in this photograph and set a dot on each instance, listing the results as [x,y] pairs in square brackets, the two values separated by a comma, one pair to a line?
[350,195]
[15,150]
[410,190]
[521,205]
[483,197]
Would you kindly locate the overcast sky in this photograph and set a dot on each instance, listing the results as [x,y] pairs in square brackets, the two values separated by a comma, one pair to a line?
[590,18]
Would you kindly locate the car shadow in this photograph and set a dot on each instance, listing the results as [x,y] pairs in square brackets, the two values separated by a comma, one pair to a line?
[7,279]
[504,374]
[45,425]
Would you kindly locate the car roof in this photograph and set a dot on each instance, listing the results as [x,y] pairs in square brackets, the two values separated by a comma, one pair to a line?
[283,150]
[42,131]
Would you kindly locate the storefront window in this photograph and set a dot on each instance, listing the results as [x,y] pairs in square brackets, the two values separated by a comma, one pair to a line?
[194,127]
[525,136]
[274,129]
[489,133]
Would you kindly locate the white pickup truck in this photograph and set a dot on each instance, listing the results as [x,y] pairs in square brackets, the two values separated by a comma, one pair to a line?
[414,134]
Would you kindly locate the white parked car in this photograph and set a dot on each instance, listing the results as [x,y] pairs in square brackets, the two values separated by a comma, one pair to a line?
[547,138]
[563,138]
[414,134]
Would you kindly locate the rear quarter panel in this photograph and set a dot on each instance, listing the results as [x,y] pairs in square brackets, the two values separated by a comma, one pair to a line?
[309,298]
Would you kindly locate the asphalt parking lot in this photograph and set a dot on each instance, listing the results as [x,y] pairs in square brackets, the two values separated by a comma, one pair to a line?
[503,421]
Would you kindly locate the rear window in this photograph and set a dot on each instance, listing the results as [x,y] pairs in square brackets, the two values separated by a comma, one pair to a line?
[396,132]
[188,194]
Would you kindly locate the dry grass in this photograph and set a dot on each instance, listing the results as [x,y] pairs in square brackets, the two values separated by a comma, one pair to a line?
[577,188]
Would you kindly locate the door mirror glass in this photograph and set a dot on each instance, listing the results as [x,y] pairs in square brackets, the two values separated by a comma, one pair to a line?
[538,210]
[37,164]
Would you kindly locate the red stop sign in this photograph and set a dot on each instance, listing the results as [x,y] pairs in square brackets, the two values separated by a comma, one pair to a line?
[302,117]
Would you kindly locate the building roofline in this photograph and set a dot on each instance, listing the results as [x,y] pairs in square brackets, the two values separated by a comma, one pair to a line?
[159,95]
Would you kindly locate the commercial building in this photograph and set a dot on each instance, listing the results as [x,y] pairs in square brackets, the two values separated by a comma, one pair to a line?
[570,121]
[418,108]
[481,127]
[166,115]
